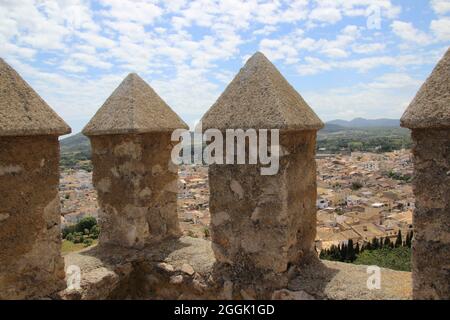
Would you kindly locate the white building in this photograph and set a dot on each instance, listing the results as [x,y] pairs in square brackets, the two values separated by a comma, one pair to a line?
[322,203]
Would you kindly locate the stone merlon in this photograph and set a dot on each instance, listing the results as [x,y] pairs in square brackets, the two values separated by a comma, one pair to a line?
[259,97]
[431,106]
[134,107]
[22,111]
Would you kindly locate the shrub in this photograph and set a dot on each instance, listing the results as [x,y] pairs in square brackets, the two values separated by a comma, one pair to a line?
[68,230]
[78,237]
[85,228]
[87,242]
[356,186]
[95,232]
[395,259]
[69,237]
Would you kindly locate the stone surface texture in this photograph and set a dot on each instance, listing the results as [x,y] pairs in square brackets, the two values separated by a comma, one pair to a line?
[263,224]
[431,244]
[31,265]
[22,111]
[431,106]
[137,188]
[120,273]
[259,97]
[134,107]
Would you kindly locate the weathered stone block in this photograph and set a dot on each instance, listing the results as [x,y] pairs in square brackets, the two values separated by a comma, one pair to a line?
[137,188]
[265,223]
[31,265]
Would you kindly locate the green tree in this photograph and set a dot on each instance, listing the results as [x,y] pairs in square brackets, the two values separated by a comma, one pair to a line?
[86,223]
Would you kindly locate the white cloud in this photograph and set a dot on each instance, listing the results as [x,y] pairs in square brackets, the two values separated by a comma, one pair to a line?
[277,50]
[441,29]
[386,96]
[313,66]
[395,81]
[365,48]
[188,93]
[327,14]
[188,49]
[266,30]
[408,32]
[144,12]
[440,6]
[289,47]
[349,103]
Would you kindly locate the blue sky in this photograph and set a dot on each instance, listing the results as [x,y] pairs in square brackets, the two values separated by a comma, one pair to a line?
[347,58]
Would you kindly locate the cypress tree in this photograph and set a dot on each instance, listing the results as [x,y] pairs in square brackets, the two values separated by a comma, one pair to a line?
[375,244]
[350,254]
[342,253]
[322,254]
[387,243]
[399,240]
[337,253]
[409,238]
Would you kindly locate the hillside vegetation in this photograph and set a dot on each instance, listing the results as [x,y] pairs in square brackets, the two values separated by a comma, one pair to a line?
[383,135]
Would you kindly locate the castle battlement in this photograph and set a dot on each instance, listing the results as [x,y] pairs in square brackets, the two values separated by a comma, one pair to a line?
[262,226]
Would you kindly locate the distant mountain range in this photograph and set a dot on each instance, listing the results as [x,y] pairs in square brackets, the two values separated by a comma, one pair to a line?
[366,123]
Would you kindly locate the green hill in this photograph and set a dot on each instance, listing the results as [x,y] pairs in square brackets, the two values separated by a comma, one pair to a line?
[75,151]
[75,143]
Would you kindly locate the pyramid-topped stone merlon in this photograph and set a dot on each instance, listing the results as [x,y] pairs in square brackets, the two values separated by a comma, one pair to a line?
[259,97]
[22,111]
[431,106]
[134,107]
